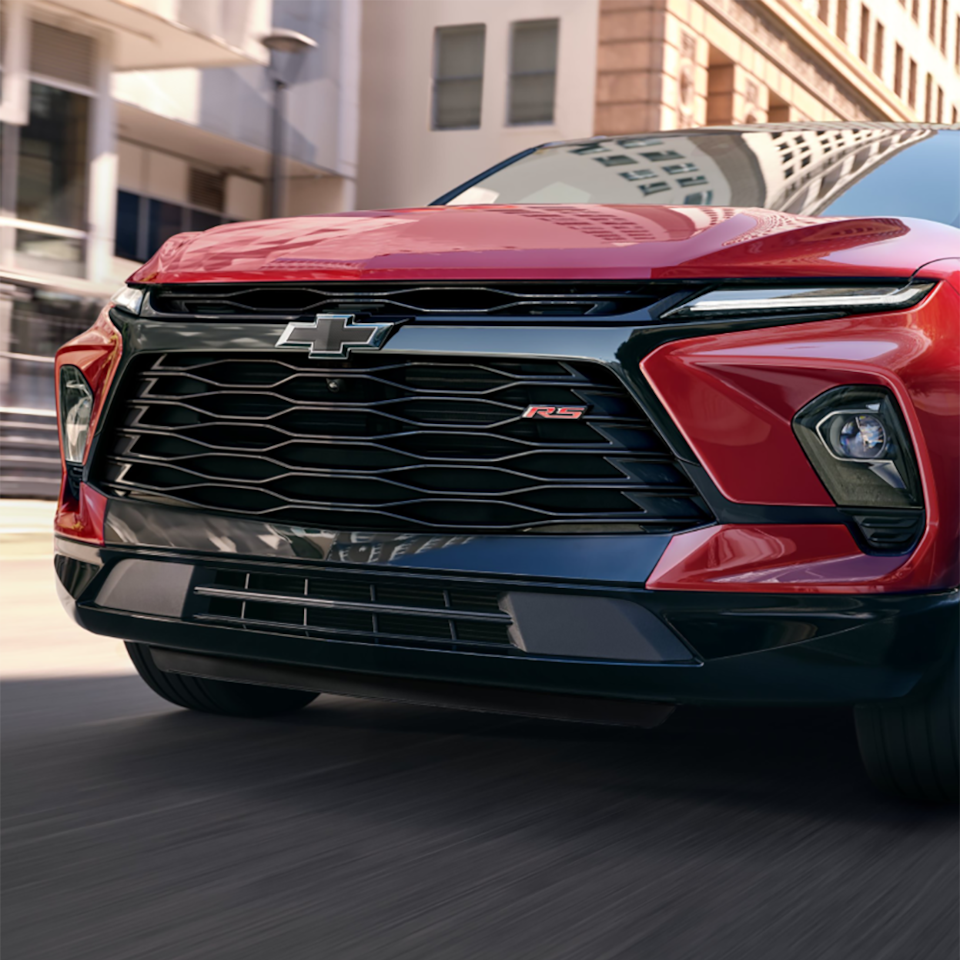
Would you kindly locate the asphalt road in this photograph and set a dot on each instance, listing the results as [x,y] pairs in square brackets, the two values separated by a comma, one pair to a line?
[366,830]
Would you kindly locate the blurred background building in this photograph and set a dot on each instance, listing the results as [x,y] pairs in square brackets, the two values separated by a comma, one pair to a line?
[127,121]
[451,86]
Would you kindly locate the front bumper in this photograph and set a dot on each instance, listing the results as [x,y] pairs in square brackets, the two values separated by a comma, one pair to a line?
[696,648]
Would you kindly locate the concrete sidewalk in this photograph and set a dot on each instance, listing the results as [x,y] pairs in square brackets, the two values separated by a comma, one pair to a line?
[26,528]
[37,638]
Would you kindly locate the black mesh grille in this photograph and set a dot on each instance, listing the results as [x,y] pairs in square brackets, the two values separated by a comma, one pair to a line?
[378,608]
[527,299]
[384,443]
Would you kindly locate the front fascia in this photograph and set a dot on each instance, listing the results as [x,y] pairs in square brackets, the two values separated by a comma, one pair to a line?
[612,558]
[734,398]
[744,649]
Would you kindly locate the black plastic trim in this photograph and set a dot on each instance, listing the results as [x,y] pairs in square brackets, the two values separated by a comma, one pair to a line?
[802,650]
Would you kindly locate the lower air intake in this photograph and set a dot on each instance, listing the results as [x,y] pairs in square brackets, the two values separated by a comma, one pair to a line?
[379,609]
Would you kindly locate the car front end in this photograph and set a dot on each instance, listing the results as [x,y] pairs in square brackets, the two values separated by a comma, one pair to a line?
[587,462]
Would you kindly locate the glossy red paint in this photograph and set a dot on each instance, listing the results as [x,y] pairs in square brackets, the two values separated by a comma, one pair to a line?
[782,558]
[543,242]
[97,353]
[81,519]
[734,397]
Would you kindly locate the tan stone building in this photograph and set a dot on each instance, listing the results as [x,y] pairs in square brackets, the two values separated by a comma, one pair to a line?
[449,87]
[664,64]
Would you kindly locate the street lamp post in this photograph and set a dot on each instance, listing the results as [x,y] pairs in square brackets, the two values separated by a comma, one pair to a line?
[285,48]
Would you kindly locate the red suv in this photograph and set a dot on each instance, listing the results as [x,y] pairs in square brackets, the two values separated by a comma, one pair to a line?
[620,424]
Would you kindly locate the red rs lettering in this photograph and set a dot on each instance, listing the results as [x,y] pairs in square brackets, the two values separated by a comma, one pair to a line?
[533,411]
[554,413]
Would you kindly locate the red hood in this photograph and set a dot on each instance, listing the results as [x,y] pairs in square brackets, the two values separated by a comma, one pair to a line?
[580,242]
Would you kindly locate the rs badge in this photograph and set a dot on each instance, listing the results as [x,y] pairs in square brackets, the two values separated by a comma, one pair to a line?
[554,413]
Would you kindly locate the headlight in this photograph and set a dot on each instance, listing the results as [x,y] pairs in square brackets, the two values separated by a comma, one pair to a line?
[857,436]
[130,298]
[76,410]
[798,298]
[857,441]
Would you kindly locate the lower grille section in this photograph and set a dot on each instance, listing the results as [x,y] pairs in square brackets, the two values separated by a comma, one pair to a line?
[391,443]
[380,609]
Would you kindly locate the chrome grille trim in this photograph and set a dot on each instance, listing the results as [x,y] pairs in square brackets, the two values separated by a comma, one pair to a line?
[395,610]
[373,607]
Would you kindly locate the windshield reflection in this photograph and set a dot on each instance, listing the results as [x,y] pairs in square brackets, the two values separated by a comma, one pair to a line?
[798,171]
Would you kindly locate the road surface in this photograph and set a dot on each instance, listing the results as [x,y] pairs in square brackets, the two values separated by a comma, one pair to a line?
[363,830]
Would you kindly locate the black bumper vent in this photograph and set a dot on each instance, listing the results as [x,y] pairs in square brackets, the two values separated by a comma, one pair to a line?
[392,443]
[380,609]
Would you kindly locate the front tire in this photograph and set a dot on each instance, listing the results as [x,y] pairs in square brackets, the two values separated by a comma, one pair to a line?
[911,750]
[216,696]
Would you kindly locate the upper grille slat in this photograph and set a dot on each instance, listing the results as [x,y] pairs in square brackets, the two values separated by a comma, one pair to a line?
[433,455]
[549,300]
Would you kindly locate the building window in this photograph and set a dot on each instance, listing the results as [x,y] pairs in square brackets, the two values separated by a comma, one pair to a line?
[928,99]
[145,224]
[533,71]
[458,77]
[45,162]
[864,33]
[52,171]
[939,104]
[823,10]
[944,19]
[878,49]
[956,46]
[932,25]
[720,88]
[898,71]
[842,21]
[778,110]
[912,86]
[915,10]
[127,235]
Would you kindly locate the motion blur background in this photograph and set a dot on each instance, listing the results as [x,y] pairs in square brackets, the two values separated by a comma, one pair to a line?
[127,121]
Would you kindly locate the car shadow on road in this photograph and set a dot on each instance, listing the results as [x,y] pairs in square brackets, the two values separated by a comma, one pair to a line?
[784,761]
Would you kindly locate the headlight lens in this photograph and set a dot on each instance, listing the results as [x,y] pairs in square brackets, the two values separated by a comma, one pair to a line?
[796,298]
[860,436]
[857,441]
[130,298]
[76,411]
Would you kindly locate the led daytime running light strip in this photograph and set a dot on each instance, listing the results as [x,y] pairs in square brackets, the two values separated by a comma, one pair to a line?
[794,298]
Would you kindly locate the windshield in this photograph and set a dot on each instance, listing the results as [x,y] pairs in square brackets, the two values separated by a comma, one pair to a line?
[829,171]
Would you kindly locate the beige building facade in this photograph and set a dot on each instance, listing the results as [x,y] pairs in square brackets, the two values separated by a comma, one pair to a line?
[634,66]
[408,155]
[668,64]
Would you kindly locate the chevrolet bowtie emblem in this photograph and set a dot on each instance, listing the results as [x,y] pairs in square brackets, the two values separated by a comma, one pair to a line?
[333,335]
